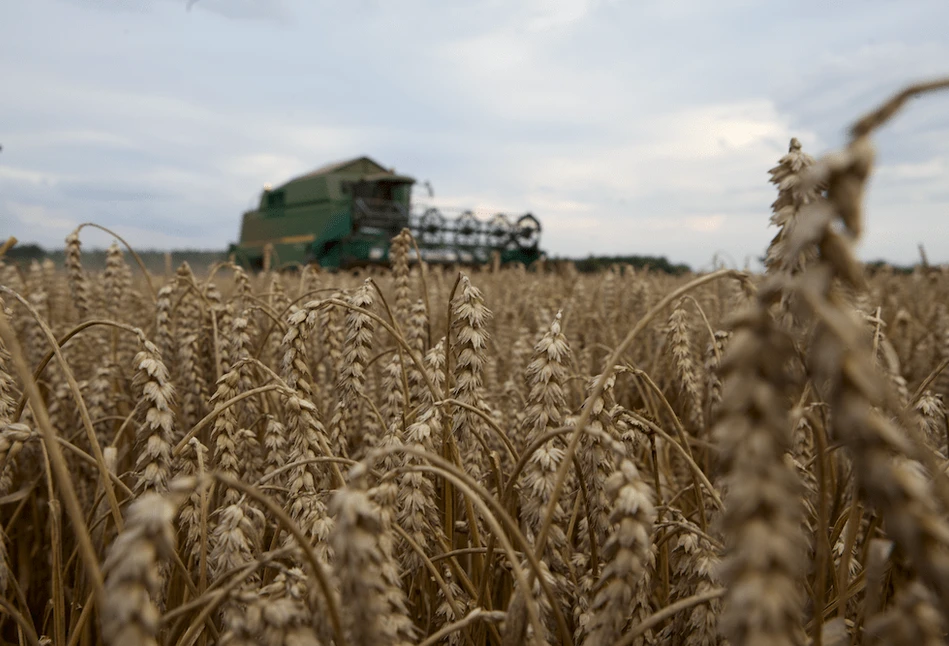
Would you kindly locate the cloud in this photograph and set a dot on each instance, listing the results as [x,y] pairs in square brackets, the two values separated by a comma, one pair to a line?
[547,15]
[832,91]
[58,138]
[705,222]
[125,6]
[276,10]
[265,168]
[11,175]
[112,192]
[39,215]
[233,9]
[936,167]
[714,131]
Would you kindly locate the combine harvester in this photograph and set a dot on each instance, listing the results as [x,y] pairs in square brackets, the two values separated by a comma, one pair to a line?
[345,214]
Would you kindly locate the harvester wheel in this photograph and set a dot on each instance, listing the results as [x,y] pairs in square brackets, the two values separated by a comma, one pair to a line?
[500,230]
[467,229]
[527,231]
[431,227]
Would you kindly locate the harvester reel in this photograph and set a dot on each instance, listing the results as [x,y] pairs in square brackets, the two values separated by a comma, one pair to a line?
[527,232]
[467,229]
[432,227]
[499,230]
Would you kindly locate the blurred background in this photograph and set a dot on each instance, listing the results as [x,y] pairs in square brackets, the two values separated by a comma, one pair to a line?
[625,127]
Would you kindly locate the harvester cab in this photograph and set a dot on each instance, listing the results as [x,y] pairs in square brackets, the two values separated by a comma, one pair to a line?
[345,214]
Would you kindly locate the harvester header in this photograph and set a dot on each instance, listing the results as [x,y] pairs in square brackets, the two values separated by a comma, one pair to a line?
[345,214]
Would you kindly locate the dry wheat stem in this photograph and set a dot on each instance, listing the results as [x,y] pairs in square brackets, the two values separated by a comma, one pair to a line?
[494,514]
[314,562]
[611,362]
[138,260]
[399,338]
[62,341]
[80,402]
[210,417]
[673,608]
[478,614]
[29,630]
[57,460]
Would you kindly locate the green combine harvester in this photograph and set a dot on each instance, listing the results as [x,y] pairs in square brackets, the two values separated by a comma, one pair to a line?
[345,214]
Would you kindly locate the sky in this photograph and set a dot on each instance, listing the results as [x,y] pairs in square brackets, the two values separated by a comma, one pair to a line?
[626,127]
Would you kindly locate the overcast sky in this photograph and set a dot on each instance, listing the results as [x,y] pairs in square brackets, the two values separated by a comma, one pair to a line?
[626,127]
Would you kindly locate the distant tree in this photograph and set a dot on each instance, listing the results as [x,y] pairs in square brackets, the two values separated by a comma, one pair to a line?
[657,263]
[26,253]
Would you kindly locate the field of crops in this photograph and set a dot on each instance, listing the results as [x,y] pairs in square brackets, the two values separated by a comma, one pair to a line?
[432,455]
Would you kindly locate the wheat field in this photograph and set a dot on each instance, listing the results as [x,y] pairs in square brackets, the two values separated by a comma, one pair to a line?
[438,455]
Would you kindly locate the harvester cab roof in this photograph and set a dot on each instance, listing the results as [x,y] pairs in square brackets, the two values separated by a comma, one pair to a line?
[344,214]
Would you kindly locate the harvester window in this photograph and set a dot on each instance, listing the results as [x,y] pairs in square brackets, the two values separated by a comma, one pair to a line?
[276,199]
[373,190]
[362,189]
